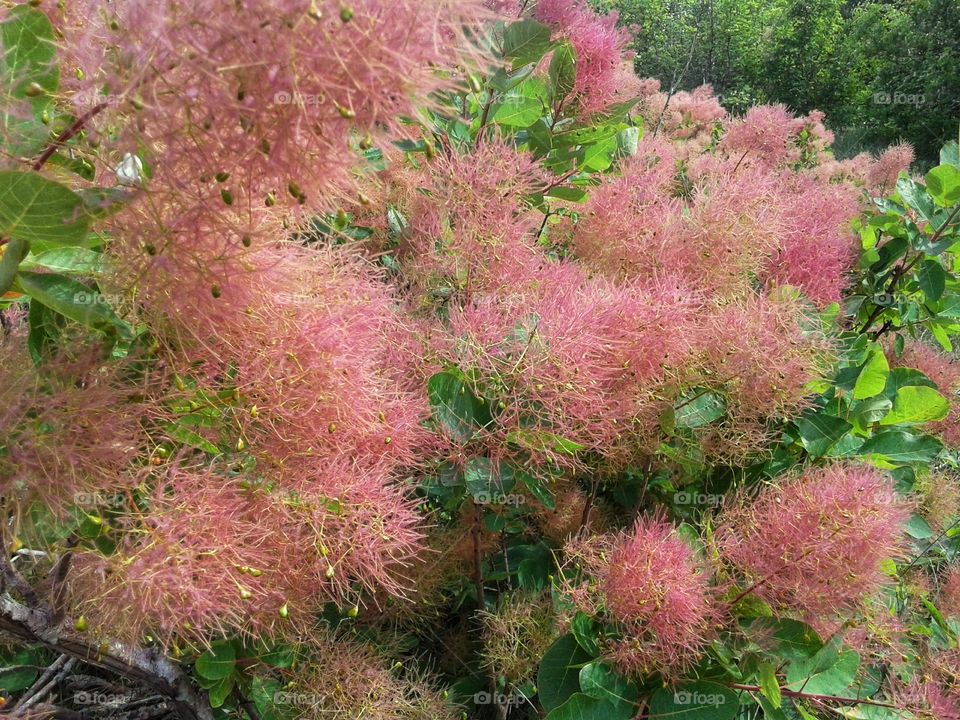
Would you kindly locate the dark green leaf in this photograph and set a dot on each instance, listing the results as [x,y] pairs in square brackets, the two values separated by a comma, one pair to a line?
[563,70]
[73,300]
[700,700]
[454,405]
[900,447]
[820,431]
[525,41]
[218,662]
[559,675]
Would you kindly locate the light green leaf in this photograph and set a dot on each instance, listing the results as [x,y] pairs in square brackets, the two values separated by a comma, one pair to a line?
[27,60]
[769,685]
[943,183]
[40,211]
[563,70]
[702,408]
[518,111]
[542,441]
[873,376]
[824,679]
[188,437]
[76,260]
[599,680]
[917,404]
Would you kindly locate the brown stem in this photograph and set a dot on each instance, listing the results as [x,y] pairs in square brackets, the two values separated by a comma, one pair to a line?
[12,579]
[67,134]
[34,625]
[813,696]
[477,558]
[587,507]
[903,269]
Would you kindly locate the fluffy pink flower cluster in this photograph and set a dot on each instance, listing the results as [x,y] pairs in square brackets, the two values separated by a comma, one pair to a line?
[329,411]
[247,118]
[575,357]
[71,431]
[749,210]
[813,545]
[604,73]
[654,587]
[650,583]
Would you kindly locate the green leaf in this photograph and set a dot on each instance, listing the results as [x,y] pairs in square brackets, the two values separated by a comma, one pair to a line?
[279,656]
[538,488]
[78,260]
[479,479]
[943,184]
[941,336]
[824,677]
[932,279]
[769,685]
[917,404]
[949,154]
[558,676]
[73,300]
[28,59]
[873,409]
[700,409]
[542,441]
[901,447]
[872,377]
[45,326]
[917,528]
[218,662]
[599,156]
[700,700]
[914,195]
[20,673]
[518,111]
[188,437]
[820,431]
[40,211]
[220,691]
[454,405]
[599,680]
[525,41]
[563,70]
[583,707]
[784,638]
[584,629]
